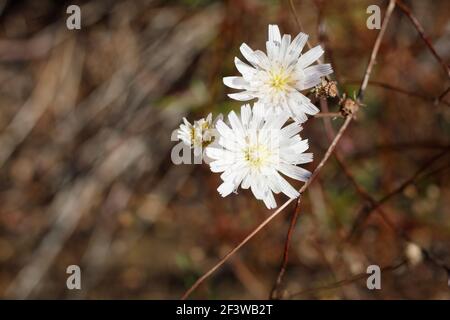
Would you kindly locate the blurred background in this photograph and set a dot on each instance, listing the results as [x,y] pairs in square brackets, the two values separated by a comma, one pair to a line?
[86,177]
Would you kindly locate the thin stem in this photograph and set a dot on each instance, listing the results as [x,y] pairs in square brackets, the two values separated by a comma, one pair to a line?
[442,96]
[375,49]
[406,92]
[234,250]
[373,56]
[273,215]
[300,28]
[294,218]
[273,293]
[297,21]
[345,282]
[373,205]
[422,34]
[329,115]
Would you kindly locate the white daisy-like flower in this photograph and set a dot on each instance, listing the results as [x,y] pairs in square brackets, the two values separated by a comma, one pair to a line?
[197,135]
[255,150]
[275,79]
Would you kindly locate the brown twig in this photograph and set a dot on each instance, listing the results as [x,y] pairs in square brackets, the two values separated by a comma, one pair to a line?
[273,215]
[377,207]
[406,10]
[367,197]
[285,260]
[345,282]
[234,250]
[323,38]
[330,150]
[297,21]
[375,49]
[397,147]
[373,205]
[442,96]
[408,93]
[329,115]
[365,80]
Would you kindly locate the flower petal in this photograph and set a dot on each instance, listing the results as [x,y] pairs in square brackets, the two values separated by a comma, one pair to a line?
[297,45]
[274,33]
[241,96]
[294,172]
[226,188]
[313,74]
[235,82]
[309,57]
[246,71]
[248,54]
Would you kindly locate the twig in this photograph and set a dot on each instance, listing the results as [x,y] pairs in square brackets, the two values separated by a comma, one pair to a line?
[408,93]
[422,34]
[399,147]
[373,56]
[329,115]
[367,197]
[375,49]
[323,38]
[330,150]
[297,21]
[273,215]
[378,209]
[442,96]
[234,250]
[345,282]
[365,212]
[284,262]
[300,28]
[248,278]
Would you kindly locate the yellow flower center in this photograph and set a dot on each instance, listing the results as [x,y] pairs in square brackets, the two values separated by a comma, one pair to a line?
[279,80]
[256,155]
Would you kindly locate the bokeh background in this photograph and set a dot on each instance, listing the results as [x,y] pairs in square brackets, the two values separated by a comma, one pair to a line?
[86,176]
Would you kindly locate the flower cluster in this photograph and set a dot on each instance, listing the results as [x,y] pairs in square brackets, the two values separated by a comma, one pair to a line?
[259,145]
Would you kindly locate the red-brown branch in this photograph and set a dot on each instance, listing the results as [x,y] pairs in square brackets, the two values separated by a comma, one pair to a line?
[406,10]
[360,97]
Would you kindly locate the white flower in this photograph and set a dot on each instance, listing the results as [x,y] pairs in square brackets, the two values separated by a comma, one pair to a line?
[197,135]
[275,79]
[255,150]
